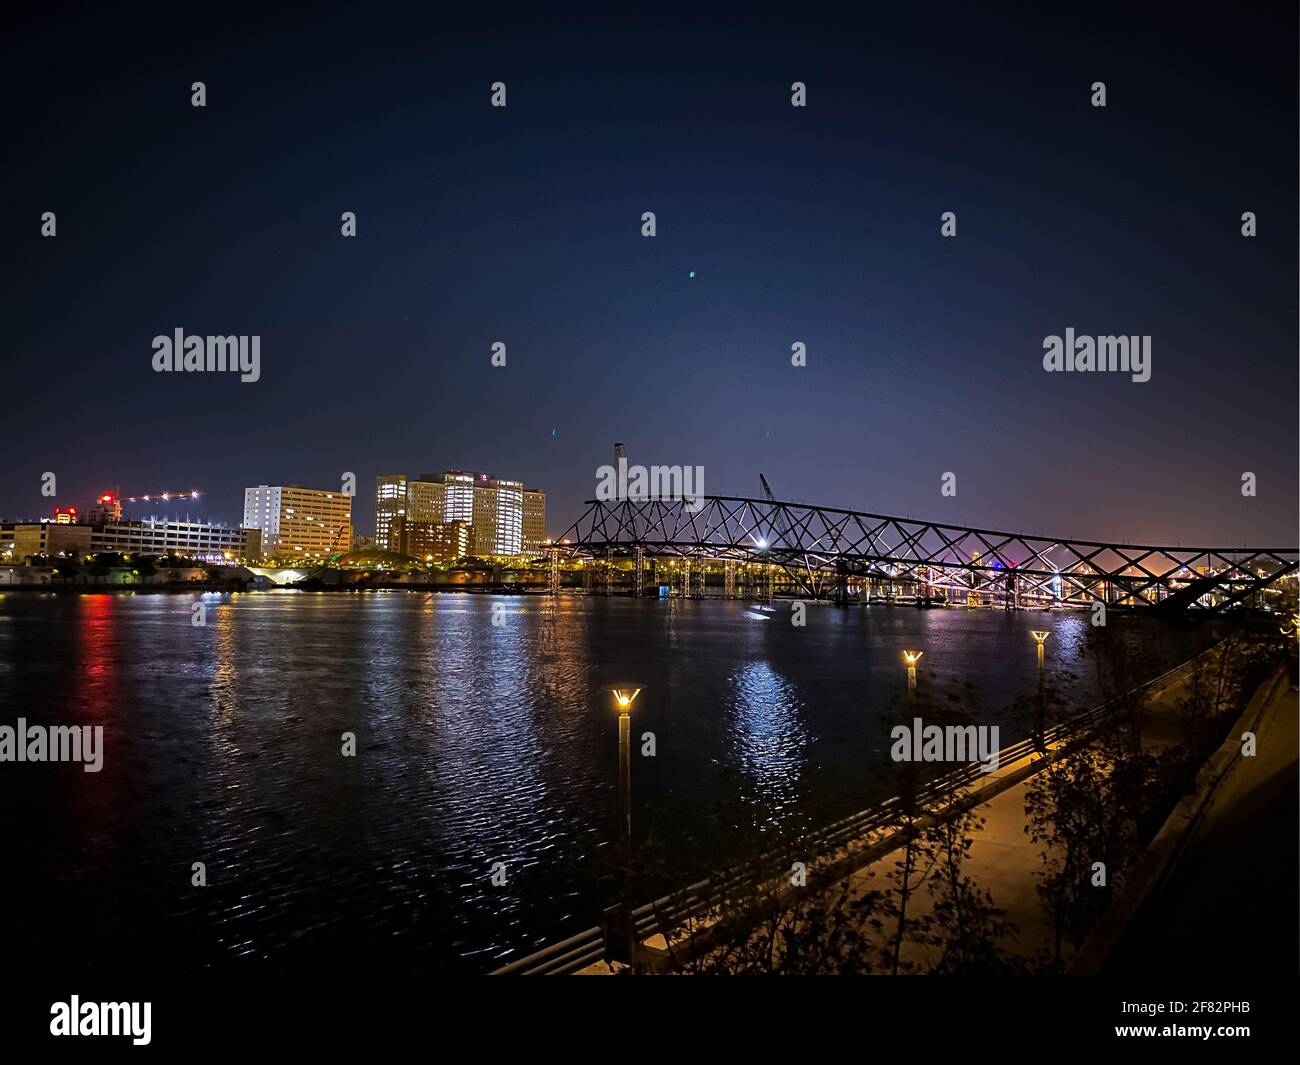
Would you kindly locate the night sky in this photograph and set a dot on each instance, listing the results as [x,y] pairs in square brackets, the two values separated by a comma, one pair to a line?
[523,225]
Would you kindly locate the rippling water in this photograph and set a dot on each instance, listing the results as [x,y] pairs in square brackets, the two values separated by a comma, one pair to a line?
[476,743]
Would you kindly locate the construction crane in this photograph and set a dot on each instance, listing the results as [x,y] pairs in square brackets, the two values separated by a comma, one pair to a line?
[782,524]
[116,496]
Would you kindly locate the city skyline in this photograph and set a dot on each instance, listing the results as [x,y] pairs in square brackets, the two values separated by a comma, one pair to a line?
[776,225]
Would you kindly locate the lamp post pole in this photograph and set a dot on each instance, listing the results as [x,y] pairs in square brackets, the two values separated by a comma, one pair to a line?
[620,938]
[1040,638]
[625,785]
[911,658]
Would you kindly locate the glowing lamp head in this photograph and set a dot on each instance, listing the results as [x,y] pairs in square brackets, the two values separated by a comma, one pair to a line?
[623,698]
[912,658]
[1039,636]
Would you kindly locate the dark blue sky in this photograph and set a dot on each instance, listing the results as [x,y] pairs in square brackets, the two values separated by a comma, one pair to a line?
[523,225]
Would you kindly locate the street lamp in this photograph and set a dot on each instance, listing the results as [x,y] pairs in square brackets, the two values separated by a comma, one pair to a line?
[619,929]
[623,699]
[1039,638]
[1041,717]
[911,658]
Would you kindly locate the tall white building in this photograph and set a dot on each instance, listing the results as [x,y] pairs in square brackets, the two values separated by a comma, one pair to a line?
[459,496]
[390,504]
[298,522]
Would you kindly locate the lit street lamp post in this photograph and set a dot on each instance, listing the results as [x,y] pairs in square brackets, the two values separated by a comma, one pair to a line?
[911,658]
[1040,638]
[619,929]
[623,703]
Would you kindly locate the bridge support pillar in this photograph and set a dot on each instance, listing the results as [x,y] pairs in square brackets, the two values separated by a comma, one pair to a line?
[729,578]
[686,579]
[609,571]
[553,581]
[640,571]
[841,584]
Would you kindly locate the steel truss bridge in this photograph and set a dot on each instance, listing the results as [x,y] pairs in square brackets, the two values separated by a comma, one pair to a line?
[845,555]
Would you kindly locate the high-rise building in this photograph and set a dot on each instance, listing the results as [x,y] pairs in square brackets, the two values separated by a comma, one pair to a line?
[390,503]
[459,496]
[426,498]
[534,520]
[503,518]
[298,522]
[416,499]
[502,531]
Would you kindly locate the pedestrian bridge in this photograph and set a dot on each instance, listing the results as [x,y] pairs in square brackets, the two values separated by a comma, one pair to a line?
[828,552]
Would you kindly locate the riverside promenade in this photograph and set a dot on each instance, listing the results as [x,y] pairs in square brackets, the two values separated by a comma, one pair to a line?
[1004,862]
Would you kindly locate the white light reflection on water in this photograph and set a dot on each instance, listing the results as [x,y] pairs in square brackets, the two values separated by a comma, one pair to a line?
[769,738]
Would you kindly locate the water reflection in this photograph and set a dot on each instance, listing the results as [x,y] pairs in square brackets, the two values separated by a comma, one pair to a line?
[476,742]
[768,739]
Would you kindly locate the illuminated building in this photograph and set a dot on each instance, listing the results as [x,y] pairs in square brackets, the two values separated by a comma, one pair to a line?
[498,517]
[433,541]
[390,503]
[426,499]
[107,507]
[18,540]
[502,516]
[298,522]
[191,539]
[459,496]
[422,499]
[534,526]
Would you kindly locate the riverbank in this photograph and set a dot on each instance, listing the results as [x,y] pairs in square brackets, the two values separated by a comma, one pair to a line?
[1003,855]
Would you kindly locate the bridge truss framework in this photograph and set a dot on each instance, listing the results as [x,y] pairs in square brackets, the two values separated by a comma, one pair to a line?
[826,552]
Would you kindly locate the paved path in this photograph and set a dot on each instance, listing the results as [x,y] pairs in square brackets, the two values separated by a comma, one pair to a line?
[1003,860]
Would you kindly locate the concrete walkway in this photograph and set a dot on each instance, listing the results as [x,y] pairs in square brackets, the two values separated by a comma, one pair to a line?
[1003,860]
